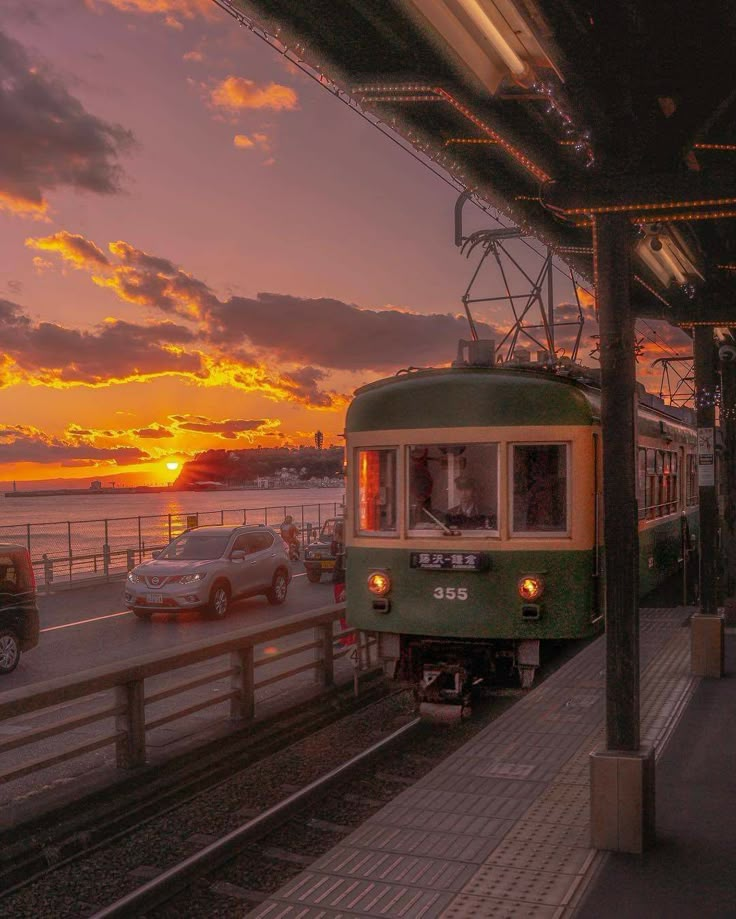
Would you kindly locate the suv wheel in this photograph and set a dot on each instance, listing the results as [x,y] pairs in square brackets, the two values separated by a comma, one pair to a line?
[313,576]
[143,614]
[277,594]
[219,601]
[9,651]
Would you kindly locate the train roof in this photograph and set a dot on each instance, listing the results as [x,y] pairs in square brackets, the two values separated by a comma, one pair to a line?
[502,395]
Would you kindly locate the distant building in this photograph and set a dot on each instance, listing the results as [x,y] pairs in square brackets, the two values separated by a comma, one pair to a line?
[96,485]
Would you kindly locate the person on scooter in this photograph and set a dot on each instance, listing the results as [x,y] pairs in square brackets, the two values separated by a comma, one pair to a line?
[290,535]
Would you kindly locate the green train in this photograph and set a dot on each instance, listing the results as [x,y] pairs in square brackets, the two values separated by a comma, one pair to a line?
[474,516]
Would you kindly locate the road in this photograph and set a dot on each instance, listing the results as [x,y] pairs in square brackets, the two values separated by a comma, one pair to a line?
[89,627]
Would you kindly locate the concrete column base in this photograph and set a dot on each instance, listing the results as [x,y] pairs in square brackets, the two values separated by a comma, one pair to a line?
[622,800]
[707,645]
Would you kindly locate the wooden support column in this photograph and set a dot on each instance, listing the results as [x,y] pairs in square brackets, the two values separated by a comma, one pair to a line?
[622,775]
[728,429]
[618,419]
[707,640]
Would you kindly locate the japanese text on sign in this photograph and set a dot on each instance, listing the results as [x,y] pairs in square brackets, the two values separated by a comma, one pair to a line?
[450,561]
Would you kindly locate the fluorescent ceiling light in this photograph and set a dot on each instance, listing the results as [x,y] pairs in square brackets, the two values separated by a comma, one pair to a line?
[669,259]
[489,37]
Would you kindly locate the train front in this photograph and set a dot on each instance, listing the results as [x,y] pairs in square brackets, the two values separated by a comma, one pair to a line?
[471,522]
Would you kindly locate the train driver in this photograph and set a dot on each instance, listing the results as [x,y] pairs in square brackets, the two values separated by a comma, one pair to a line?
[468,513]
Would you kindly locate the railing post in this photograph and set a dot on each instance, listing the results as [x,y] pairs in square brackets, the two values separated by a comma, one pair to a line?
[28,536]
[169,527]
[222,517]
[130,562]
[69,546]
[48,569]
[106,553]
[140,542]
[130,749]
[328,662]
[242,682]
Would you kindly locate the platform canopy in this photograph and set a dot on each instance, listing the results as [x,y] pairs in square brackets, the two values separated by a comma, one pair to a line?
[554,111]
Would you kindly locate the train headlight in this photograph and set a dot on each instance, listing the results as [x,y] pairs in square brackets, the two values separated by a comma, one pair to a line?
[379,583]
[531,587]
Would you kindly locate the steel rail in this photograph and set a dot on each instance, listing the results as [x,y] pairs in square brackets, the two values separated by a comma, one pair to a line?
[162,888]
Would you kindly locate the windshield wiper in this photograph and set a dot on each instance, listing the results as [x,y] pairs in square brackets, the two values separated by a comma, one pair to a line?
[445,528]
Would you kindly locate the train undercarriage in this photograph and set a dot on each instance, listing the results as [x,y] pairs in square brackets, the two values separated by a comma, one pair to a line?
[451,672]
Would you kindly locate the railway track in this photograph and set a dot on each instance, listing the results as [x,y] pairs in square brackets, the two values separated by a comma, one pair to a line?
[222,850]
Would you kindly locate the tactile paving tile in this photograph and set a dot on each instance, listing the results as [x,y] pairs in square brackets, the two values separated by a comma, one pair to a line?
[551,834]
[454,846]
[428,873]
[559,812]
[540,856]
[504,883]
[467,907]
[410,818]
[365,898]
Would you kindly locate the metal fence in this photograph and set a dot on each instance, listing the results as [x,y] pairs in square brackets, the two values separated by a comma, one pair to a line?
[74,550]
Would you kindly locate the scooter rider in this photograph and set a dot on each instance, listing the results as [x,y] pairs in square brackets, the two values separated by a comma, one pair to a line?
[290,535]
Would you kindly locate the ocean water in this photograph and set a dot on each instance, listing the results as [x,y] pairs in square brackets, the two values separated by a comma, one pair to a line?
[81,525]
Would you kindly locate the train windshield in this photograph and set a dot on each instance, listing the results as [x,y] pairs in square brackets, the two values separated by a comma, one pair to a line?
[453,486]
[540,488]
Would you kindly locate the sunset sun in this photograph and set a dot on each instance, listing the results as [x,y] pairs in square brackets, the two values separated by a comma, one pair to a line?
[172,465]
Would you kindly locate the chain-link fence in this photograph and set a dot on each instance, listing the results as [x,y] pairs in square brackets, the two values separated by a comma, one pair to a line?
[76,550]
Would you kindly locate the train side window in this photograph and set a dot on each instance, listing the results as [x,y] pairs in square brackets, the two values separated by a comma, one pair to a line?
[540,490]
[376,493]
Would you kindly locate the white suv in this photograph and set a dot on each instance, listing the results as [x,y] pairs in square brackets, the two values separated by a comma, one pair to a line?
[208,567]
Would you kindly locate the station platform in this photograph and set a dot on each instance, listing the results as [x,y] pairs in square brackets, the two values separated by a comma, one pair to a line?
[501,827]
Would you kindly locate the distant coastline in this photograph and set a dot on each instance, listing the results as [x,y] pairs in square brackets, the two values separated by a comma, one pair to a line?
[153,489]
[54,492]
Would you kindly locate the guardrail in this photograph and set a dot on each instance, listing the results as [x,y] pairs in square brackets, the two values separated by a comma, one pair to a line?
[99,548]
[127,709]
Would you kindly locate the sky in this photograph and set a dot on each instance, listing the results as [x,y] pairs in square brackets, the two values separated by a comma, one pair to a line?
[202,248]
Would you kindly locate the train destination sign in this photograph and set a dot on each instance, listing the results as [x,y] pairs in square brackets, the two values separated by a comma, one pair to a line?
[450,561]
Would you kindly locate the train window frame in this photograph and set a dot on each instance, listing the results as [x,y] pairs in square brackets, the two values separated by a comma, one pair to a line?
[394,531]
[541,534]
[660,496]
[492,504]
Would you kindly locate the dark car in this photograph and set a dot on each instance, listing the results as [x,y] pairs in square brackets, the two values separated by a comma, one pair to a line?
[19,627]
[319,555]
[208,567]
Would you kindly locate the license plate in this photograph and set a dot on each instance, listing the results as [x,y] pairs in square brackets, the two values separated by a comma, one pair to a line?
[327,564]
[154,598]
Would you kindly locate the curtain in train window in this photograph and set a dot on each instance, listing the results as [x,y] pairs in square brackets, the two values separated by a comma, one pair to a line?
[376,491]
[540,488]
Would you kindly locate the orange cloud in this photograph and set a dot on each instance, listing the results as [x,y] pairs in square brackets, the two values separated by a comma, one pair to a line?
[236,93]
[195,56]
[242,140]
[23,206]
[187,9]
[73,248]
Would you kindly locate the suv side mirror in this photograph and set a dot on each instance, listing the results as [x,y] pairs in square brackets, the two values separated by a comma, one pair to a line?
[237,555]
[155,553]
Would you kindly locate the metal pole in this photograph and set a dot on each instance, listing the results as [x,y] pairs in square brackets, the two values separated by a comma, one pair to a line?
[618,420]
[69,546]
[705,407]
[140,542]
[728,428]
